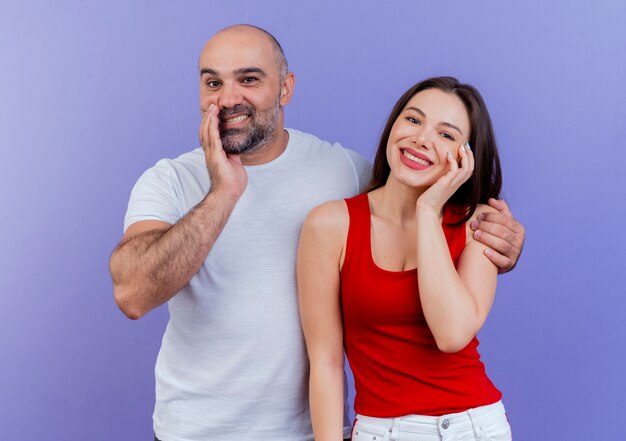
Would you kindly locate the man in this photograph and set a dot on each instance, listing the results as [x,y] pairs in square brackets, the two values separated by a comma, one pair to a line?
[220,248]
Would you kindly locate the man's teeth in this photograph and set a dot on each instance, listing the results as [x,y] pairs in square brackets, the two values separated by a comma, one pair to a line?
[236,119]
[415,158]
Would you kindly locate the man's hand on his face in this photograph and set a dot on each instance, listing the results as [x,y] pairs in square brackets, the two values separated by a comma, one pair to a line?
[225,170]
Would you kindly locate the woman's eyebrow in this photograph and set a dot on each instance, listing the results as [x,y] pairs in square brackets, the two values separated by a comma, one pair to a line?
[447,124]
[417,109]
[452,126]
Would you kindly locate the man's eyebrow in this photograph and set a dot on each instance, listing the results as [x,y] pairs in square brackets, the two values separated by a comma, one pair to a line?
[241,71]
[447,124]
[250,70]
[208,71]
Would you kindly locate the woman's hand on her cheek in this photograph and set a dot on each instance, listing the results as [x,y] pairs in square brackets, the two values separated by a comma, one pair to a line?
[438,194]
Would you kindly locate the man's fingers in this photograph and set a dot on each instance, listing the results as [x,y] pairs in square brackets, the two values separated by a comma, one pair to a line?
[494,229]
[501,233]
[209,119]
[502,253]
[503,263]
[490,219]
[501,206]
[203,129]
[497,238]
[215,142]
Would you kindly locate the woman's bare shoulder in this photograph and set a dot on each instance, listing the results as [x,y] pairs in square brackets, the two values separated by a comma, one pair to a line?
[330,218]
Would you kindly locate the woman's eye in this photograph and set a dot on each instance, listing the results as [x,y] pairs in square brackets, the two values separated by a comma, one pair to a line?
[412,120]
[447,136]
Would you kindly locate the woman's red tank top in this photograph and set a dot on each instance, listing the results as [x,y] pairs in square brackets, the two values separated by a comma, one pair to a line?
[398,369]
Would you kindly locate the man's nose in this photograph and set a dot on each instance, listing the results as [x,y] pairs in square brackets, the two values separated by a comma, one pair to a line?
[229,96]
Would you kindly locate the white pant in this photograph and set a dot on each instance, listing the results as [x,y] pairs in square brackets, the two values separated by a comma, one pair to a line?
[487,423]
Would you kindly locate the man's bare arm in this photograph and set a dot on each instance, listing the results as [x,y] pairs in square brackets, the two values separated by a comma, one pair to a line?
[155,259]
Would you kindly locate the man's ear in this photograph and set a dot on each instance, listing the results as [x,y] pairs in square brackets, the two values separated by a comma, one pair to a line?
[286,88]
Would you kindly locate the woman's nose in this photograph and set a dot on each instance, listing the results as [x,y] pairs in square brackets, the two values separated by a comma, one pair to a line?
[423,138]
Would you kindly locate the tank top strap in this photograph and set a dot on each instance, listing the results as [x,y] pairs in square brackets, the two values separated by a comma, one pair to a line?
[358,241]
[455,234]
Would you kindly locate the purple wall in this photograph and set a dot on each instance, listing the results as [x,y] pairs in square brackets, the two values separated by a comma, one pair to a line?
[93,93]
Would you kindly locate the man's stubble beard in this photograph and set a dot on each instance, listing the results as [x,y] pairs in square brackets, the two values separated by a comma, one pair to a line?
[260,134]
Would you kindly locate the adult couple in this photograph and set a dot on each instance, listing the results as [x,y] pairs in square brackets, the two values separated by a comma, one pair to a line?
[220,248]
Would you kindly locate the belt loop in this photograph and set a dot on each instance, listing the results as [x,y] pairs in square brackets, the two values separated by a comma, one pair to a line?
[391,431]
[397,427]
[478,430]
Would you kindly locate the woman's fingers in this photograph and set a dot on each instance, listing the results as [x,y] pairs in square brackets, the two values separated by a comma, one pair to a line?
[454,166]
[463,168]
[468,161]
[471,161]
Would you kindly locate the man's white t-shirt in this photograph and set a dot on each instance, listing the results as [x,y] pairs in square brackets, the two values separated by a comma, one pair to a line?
[233,363]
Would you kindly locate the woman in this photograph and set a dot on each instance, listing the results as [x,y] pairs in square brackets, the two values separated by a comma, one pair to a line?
[396,276]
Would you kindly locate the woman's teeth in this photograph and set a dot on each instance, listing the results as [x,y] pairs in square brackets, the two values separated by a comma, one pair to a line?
[415,158]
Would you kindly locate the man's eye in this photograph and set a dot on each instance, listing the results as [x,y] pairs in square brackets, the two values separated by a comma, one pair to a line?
[249,80]
[213,83]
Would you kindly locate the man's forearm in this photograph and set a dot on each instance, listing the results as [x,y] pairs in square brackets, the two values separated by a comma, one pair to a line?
[150,268]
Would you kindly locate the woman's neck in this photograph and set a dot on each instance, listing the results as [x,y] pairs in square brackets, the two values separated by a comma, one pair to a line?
[395,202]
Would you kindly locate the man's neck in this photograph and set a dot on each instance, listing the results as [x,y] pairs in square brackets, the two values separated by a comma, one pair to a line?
[268,153]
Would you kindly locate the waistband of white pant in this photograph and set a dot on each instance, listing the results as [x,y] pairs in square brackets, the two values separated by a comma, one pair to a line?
[452,422]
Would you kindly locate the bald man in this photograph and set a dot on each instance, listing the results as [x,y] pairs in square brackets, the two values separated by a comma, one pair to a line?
[214,234]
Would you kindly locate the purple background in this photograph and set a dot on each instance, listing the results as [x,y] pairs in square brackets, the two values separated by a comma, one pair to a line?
[93,93]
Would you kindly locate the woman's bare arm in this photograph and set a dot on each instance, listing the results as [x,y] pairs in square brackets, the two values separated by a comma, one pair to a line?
[455,302]
[319,259]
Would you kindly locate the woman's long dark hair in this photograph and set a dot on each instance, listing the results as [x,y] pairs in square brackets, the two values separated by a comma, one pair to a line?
[486,180]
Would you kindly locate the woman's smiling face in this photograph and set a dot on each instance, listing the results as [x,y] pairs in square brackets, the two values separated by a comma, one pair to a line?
[432,124]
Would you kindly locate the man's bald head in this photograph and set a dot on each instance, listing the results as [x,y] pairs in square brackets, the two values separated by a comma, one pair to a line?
[255,32]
